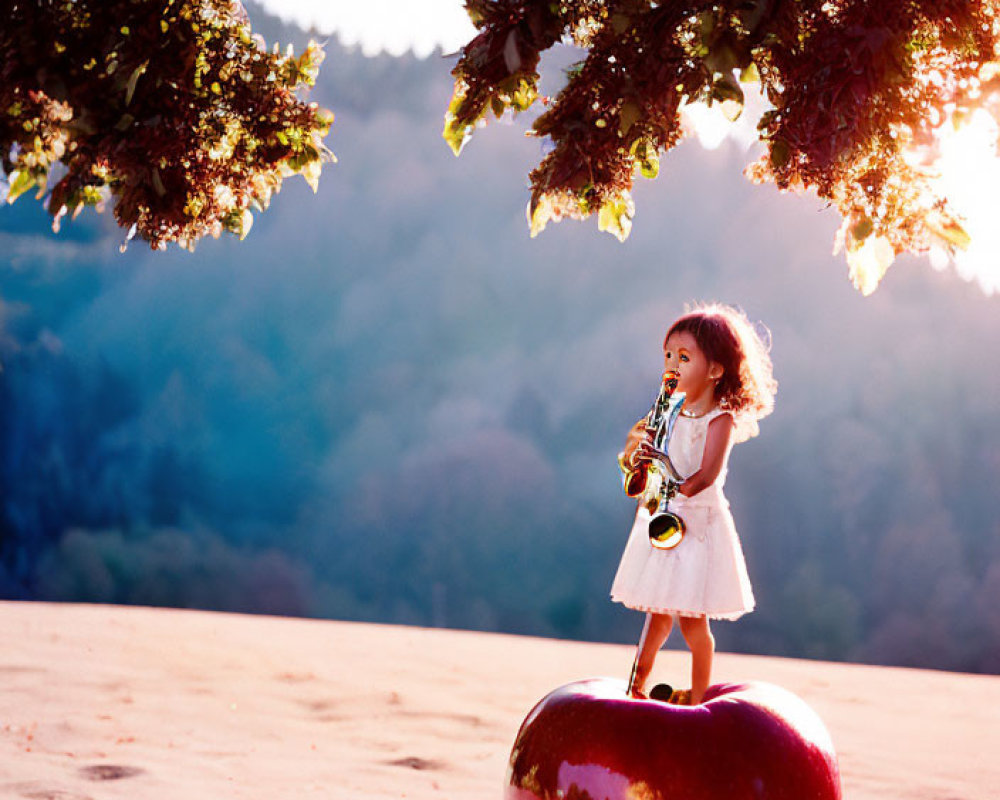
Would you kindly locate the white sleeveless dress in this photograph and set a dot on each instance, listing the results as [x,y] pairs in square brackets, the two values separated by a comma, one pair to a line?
[705,575]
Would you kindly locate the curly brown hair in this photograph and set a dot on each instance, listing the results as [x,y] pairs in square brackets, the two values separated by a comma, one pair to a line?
[726,337]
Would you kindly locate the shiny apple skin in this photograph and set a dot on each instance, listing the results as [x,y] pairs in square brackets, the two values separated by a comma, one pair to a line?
[750,741]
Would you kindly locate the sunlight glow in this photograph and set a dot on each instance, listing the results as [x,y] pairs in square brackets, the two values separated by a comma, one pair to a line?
[712,127]
[868,264]
[392,26]
[969,176]
[965,169]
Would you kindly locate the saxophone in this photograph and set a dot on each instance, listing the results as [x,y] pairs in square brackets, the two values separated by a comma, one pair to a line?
[655,482]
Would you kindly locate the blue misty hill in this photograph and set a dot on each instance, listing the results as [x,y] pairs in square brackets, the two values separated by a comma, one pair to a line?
[389,403]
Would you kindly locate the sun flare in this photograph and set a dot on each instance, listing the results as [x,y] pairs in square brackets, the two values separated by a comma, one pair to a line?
[965,169]
[968,170]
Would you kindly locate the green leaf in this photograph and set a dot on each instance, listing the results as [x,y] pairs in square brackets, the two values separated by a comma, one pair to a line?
[647,157]
[456,135]
[722,58]
[948,230]
[20,182]
[706,24]
[957,235]
[246,223]
[649,165]
[615,216]
[868,263]
[158,186]
[620,22]
[311,171]
[781,153]
[238,222]
[133,80]
[628,116]
[862,229]
[525,95]
[457,131]
[726,90]
[749,74]
[540,211]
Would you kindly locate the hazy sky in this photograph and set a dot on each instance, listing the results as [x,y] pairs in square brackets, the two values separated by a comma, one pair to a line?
[394,26]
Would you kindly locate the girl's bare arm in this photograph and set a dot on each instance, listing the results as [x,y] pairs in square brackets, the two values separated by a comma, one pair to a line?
[720,432]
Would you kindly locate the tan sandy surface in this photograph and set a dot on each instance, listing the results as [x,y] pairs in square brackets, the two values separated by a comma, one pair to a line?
[107,702]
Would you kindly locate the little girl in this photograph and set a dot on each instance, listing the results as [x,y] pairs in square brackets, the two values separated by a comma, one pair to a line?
[724,372]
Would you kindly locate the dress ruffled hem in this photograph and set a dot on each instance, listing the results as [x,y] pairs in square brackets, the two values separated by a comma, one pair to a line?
[724,615]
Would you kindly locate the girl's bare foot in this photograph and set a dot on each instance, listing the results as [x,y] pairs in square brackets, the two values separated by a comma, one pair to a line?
[637,686]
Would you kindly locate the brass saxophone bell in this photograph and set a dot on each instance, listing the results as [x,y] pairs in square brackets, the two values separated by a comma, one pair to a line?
[666,530]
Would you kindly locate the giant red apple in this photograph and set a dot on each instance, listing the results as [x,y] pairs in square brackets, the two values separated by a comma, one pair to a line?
[751,741]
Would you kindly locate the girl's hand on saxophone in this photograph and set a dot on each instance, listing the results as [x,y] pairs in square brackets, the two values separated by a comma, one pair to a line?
[637,434]
[646,452]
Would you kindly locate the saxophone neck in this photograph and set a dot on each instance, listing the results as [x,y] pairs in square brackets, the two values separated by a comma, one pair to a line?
[670,378]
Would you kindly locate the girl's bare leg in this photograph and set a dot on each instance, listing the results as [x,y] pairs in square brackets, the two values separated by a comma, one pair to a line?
[698,636]
[655,633]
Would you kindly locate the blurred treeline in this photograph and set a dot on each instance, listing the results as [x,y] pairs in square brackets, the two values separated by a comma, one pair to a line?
[389,404]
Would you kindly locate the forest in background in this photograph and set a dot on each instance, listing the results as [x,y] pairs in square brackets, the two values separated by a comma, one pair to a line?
[389,404]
